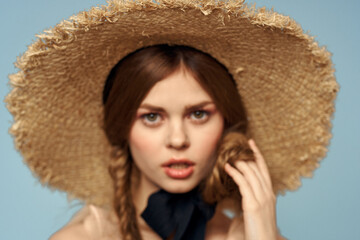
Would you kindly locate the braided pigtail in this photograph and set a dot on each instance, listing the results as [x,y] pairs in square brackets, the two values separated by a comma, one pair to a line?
[120,170]
[219,184]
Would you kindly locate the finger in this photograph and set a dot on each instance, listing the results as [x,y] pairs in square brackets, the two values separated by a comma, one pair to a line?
[239,179]
[251,177]
[260,177]
[259,159]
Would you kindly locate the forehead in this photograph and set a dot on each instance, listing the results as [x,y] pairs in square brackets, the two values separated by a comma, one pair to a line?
[179,88]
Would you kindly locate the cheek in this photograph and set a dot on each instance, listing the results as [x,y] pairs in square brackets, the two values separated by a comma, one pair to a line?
[143,143]
[208,139]
[206,144]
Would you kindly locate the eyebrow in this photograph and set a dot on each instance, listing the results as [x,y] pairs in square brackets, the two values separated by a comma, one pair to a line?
[188,108]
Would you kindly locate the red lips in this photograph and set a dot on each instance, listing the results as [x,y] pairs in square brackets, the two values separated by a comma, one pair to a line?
[178,173]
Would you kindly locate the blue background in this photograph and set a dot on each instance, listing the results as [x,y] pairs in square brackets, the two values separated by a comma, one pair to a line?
[325,207]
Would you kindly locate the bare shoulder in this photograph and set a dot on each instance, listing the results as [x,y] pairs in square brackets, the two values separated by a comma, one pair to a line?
[219,226]
[72,232]
[236,229]
[281,237]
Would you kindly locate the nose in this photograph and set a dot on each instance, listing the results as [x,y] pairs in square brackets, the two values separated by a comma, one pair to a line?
[177,137]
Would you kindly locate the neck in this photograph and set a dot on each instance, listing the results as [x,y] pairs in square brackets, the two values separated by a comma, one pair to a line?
[141,191]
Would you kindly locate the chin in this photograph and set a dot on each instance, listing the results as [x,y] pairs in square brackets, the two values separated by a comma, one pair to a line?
[179,186]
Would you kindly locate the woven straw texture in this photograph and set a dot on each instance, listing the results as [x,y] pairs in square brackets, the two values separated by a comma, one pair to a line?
[285,79]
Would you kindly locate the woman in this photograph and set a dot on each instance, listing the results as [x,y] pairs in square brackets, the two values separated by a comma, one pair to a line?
[173,116]
[159,146]
[174,128]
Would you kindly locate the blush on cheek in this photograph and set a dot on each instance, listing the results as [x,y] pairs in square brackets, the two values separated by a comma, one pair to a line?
[209,143]
[144,142]
[213,135]
[206,142]
[140,142]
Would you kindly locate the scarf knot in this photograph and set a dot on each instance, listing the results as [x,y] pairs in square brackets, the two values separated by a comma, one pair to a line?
[185,214]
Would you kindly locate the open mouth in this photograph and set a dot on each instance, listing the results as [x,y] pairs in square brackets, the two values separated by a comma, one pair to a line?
[178,169]
[179,165]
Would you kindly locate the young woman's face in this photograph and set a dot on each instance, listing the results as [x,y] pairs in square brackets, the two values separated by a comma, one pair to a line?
[174,137]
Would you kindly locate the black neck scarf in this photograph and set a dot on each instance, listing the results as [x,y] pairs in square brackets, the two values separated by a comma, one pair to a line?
[185,214]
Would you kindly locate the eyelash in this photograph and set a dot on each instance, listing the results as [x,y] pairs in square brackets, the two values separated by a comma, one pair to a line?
[157,121]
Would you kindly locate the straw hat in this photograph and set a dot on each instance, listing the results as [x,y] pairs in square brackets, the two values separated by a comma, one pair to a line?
[285,79]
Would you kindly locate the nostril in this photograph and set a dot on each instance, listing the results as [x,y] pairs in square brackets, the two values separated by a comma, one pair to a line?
[178,142]
[177,137]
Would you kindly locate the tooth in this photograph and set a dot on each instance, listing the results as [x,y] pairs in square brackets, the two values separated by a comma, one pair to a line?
[179,165]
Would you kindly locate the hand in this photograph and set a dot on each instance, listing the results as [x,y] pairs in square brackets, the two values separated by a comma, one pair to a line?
[258,198]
